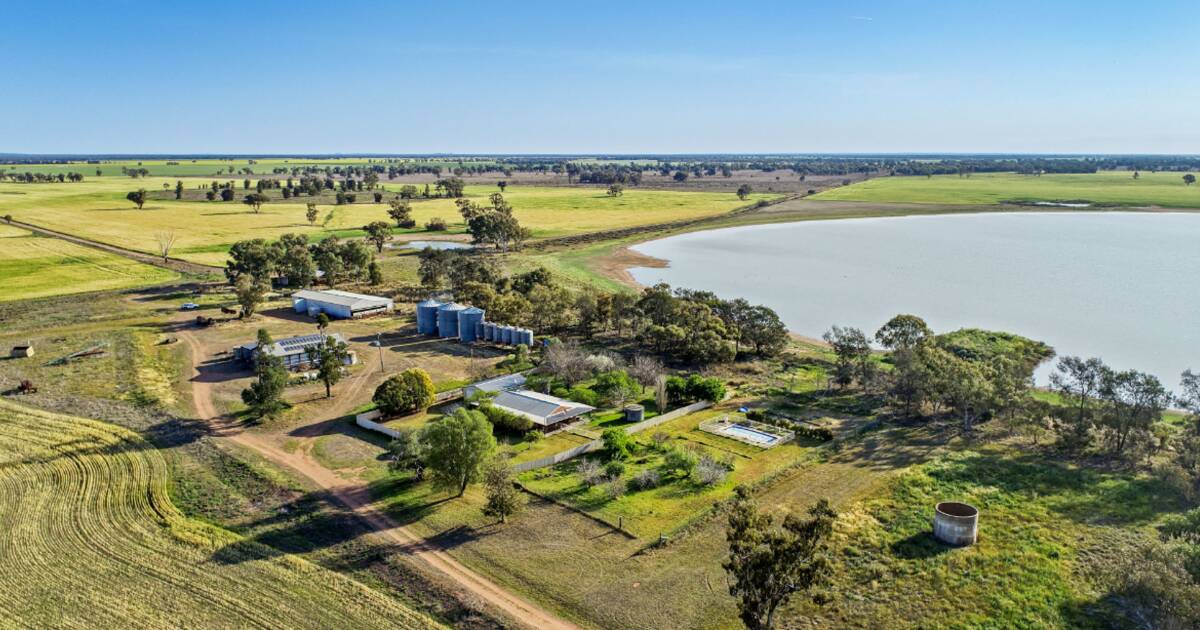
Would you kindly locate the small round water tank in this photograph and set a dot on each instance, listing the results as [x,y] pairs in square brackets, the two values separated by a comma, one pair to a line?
[448,320]
[634,413]
[427,323]
[955,523]
[467,319]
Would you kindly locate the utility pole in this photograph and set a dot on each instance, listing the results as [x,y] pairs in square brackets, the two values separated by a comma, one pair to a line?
[379,344]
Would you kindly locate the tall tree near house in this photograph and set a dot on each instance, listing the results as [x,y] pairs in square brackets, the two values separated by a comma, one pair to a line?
[503,499]
[646,369]
[250,293]
[769,564]
[264,396]
[166,241]
[322,323]
[456,448]
[311,213]
[328,358]
[138,197]
[378,234]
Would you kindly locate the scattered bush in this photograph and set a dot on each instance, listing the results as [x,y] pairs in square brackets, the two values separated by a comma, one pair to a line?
[757,415]
[708,471]
[645,480]
[617,443]
[660,439]
[680,462]
[614,468]
[614,488]
[590,472]
[820,434]
[436,224]
[695,387]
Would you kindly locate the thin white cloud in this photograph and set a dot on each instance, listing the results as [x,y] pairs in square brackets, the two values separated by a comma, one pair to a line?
[862,18]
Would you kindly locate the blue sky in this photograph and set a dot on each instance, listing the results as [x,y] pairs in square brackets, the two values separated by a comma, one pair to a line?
[663,77]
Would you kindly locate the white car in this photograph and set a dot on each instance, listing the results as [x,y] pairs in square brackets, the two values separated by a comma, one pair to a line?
[189,306]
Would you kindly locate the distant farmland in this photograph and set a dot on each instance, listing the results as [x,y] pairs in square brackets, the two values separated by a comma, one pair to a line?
[92,540]
[35,267]
[97,209]
[1116,188]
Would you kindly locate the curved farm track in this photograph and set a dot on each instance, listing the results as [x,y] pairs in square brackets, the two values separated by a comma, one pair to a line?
[91,539]
[356,497]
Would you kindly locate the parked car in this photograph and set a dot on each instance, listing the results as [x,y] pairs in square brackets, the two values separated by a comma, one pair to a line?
[189,306]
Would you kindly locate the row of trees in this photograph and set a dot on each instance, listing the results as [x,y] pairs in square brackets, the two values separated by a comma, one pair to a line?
[254,263]
[41,178]
[681,325]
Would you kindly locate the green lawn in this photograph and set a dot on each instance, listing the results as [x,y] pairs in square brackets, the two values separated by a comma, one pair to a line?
[97,209]
[677,501]
[1107,188]
[33,267]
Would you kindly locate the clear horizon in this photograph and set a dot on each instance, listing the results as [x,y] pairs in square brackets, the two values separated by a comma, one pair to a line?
[542,78]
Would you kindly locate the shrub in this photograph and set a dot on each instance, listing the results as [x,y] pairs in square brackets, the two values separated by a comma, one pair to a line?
[590,472]
[680,462]
[758,415]
[560,392]
[645,480]
[583,395]
[505,420]
[820,434]
[709,472]
[404,393]
[660,439]
[617,443]
[614,468]
[614,488]
[435,224]
[710,389]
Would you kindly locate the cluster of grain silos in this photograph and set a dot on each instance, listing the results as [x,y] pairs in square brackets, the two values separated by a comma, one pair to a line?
[466,323]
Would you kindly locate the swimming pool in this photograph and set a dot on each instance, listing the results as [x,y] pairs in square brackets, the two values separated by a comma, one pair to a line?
[748,434]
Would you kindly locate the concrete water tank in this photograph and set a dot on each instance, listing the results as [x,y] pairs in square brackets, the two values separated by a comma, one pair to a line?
[956,524]
[635,413]
[489,331]
[427,318]
[448,319]
[468,318]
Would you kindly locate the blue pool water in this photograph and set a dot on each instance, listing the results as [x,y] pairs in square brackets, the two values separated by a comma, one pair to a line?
[746,433]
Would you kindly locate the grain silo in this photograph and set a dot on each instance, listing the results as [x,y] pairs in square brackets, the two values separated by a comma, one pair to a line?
[427,317]
[489,331]
[448,319]
[506,334]
[467,319]
[523,335]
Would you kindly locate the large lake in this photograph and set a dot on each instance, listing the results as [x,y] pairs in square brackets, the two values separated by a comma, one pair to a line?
[1123,286]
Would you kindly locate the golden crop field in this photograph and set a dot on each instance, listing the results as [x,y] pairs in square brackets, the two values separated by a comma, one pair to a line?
[34,267]
[97,209]
[92,540]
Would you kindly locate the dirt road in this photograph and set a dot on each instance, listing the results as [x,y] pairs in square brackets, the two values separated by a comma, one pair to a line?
[355,497]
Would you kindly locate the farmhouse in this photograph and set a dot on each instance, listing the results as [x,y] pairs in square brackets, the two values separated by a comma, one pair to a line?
[543,410]
[293,350]
[340,304]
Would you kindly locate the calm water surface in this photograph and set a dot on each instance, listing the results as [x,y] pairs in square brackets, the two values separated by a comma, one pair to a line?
[1122,286]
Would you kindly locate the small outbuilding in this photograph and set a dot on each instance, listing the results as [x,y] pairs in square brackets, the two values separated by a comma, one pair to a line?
[21,351]
[340,304]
